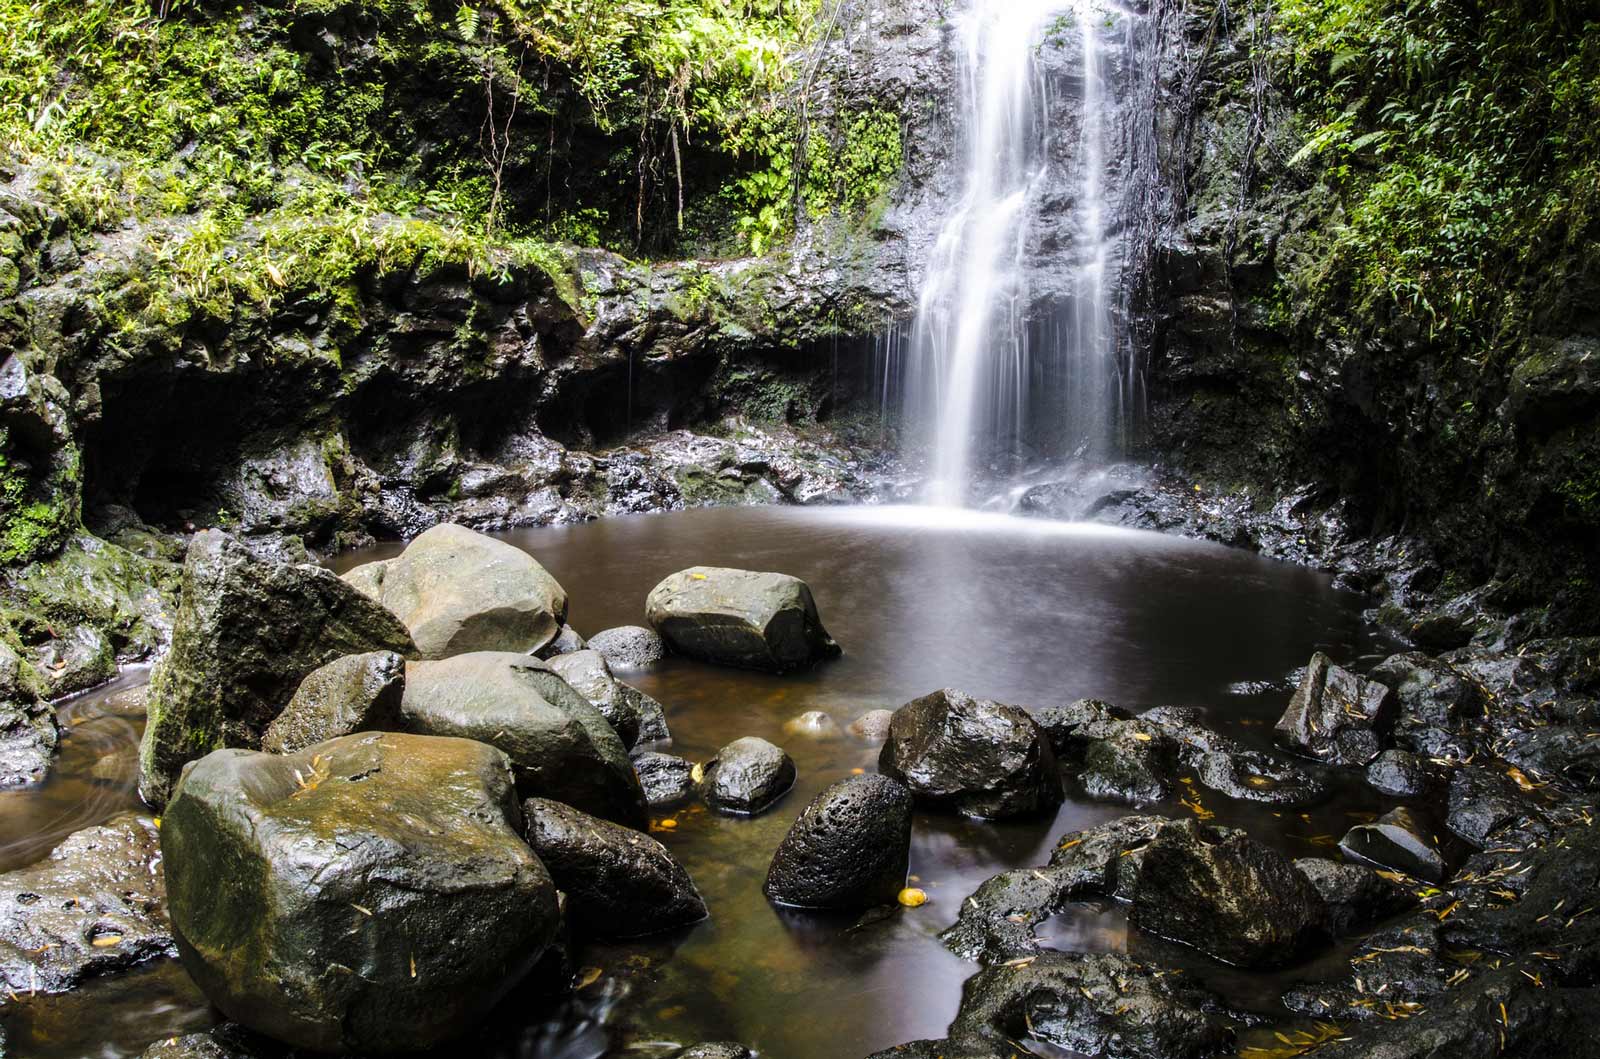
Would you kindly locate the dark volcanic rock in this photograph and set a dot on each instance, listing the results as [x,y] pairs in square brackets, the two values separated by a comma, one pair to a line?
[1073,727]
[1354,895]
[1402,774]
[974,756]
[1481,802]
[1398,840]
[1391,972]
[28,733]
[560,746]
[1225,894]
[740,618]
[379,894]
[619,883]
[746,777]
[96,904]
[459,591]
[246,634]
[667,780]
[1135,764]
[1336,715]
[850,848]
[356,693]
[629,646]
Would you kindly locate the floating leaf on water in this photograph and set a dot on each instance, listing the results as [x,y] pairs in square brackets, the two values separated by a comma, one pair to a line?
[587,977]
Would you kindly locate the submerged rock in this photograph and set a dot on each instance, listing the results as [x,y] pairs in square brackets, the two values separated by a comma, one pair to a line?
[459,591]
[872,726]
[667,779]
[1398,840]
[1335,715]
[746,777]
[380,896]
[974,756]
[356,693]
[96,904]
[247,633]
[740,618]
[619,883]
[850,848]
[1224,893]
[28,733]
[629,646]
[560,746]
[813,724]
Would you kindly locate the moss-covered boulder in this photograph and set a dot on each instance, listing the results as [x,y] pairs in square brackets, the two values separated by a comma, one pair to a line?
[370,894]
[459,591]
[247,632]
[740,618]
[28,733]
[560,746]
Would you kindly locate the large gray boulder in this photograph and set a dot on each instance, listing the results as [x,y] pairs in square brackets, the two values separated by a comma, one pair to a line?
[96,904]
[247,633]
[458,591]
[560,746]
[740,618]
[1335,715]
[619,883]
[371,894]
[974,756]
[356,693]
[636,716]
[850,848]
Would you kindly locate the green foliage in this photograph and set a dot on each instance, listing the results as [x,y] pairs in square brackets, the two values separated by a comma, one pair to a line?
[1464,138]
[36,517]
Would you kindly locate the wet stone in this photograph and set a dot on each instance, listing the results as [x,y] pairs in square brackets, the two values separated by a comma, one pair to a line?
[746,777]
[741,618]
[872,726]
[850,848]
[668,780]
[1398,840]
[1335,714]
[1135,765]
[1402,774]
[1355,895]
[356,693]
[1481,802]
[629,646]
[567,641]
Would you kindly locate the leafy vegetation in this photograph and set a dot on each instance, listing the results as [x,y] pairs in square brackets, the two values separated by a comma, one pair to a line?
[1464,139]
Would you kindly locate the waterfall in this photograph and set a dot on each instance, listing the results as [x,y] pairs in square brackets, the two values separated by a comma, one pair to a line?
[980,350]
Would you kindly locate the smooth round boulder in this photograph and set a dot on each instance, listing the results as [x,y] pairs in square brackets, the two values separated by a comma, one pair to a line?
[560,746]
[457,591]
[872,726]
[746,777]
[619,883]
[740,618]
[371,894]
[629,646]
[973,756]
[850,848]
[356,693]
[667,779]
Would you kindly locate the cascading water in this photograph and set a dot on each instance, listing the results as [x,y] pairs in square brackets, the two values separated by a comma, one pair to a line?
[979,351]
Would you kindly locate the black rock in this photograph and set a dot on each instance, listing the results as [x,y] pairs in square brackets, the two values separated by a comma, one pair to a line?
[850,848]
[746,777]
[96,904]
[1135,764]
[1398,840]
[740,618]
[667,779]
[1482,802]
[560,746]
[973,756]
[356,693]
[1225,894]
[1072,727]
[1354,894]
[1392,972]
[1336,715]
[619,883]
[397,857]
[629,646]
[1402,774]
[567,641]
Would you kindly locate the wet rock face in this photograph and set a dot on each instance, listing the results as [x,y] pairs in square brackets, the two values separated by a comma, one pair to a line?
[28,734]
[1399,840]
[1225,894]
[629,646]
[667,779]
[636,716]
[97,904]
[457,591]
[1134,764]
[1481,802]
[740,618]
[746,777]
[560,746]
[1354,894]
[380,895]
[619,883]
[247,632]
[973,756]
[356,693]
[1402,774]
[850,848]
[1103,1004]
[1336,715]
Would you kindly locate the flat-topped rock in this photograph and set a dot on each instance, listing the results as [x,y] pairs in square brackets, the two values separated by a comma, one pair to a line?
[740,618]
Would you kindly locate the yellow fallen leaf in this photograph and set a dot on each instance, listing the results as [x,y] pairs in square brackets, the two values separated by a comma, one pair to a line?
[912,897]
[105,941]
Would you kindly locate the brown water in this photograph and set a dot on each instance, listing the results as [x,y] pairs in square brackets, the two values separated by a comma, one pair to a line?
[1025,612]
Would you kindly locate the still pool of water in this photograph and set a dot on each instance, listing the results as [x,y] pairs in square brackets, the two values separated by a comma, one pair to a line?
[1026,612]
